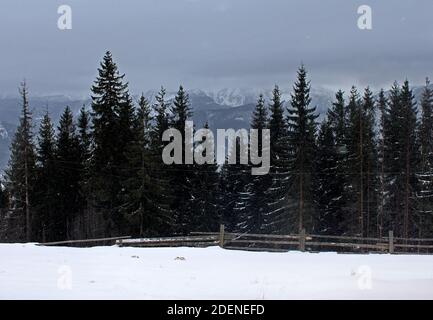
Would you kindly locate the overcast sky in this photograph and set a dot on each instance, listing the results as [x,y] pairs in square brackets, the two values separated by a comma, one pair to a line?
[214,43]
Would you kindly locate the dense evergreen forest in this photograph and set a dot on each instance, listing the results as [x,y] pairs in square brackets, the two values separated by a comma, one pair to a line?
[367,168]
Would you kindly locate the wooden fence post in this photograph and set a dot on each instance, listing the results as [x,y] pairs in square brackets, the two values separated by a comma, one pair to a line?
[302,240]
[120,242]
[221,236]
[391,242]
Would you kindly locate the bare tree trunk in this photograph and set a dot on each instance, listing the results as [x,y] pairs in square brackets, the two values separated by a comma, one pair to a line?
[301,202]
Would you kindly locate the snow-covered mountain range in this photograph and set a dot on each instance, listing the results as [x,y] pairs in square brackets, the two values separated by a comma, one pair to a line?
[222,108]
[236,97]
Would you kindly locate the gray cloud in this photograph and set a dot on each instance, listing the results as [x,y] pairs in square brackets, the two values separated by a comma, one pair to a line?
[210,43]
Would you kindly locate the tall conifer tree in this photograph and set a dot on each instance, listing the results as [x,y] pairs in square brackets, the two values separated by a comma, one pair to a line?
[256,204]
[46,189]
[327,184]
[205,190]
[362,156]
[425,176]
[160,172]
[146,214]
[381,201]
[111,131]
[68,163]
[409,151]
[302,136]
[401,161]
[182,176]
[331,167]
[235,178]
[276,219]
[21,174]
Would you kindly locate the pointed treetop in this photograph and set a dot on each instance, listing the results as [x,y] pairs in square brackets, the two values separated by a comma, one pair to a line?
[260,114]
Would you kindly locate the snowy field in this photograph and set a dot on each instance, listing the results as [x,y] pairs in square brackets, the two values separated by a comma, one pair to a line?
[31,272]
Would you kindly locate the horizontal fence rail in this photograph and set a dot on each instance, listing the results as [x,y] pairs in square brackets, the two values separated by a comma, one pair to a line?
[187,241]
[271,242]
[316,242]
[83,241]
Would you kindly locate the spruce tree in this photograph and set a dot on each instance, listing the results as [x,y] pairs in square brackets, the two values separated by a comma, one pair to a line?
[84,136]
[111,133]
[327,184]
[392,165]
[135,193]
[362,156]
[142,205]
[256,204]
[234,181]
[425,176]
[205,191]
[46,188]
[181,110]
[161,173]
[226,198]
[20,175]
[85,151]
[410,155]
[369,150]
[353,222]
[337,115]
[182,176]
[302,135]
[161,121]
[276,219]
[331,170]
[68,159]
[381,213]
[401,159]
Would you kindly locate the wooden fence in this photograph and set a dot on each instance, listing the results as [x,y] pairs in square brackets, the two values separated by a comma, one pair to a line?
[187,241]
[282,243]
[270,242]
[315,242]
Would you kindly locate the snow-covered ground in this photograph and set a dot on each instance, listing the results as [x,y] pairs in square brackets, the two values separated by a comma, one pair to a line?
[32,272]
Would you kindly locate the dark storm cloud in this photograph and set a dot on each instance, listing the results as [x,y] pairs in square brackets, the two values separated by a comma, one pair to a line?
[214,43]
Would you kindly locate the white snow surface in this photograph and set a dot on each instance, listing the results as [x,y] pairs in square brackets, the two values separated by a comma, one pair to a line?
[28,271]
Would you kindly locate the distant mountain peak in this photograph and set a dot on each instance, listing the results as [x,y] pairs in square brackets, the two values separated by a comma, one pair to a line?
[3,132]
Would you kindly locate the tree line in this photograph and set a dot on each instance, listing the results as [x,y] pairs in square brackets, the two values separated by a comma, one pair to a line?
[365,169]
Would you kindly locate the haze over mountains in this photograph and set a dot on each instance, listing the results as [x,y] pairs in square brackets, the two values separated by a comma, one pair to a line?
[224,108]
